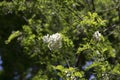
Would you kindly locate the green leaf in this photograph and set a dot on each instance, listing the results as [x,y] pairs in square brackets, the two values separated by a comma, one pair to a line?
[12,36]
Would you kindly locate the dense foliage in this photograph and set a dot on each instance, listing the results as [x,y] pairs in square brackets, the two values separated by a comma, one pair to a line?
[60,39]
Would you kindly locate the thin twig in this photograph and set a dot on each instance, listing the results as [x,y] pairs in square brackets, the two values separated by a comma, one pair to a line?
[107,10]
[93,5]
[67,62]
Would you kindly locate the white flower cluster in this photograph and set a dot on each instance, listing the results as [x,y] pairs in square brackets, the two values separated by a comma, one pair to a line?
[69,75]
[97,36]
[54,41]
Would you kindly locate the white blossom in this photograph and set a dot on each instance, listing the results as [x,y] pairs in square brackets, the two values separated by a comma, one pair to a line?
[68,75]
[54,41]
[46,38]
[97,52]
[97,36]
[73,78]
[74,5]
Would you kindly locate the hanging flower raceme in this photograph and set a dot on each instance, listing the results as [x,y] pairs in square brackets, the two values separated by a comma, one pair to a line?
[54,41]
